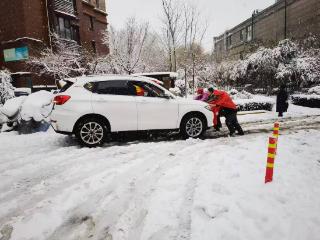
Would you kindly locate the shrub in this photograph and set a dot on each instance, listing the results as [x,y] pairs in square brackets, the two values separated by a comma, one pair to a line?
[252,106]
[249,102]
[312,100]
[314,90]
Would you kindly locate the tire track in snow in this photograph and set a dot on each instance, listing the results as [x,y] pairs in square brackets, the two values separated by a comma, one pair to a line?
[126,220]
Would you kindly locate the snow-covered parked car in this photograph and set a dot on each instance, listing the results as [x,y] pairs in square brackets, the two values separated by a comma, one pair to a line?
[27,112]
[92,107]
[22,92]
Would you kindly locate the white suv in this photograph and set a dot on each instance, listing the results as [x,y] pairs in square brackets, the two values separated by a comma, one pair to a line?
[91,107]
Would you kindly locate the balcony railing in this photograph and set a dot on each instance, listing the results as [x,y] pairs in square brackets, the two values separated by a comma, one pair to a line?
[66,6]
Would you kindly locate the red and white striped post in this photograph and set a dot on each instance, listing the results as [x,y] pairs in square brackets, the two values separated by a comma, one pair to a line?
[276,129]
[272,149]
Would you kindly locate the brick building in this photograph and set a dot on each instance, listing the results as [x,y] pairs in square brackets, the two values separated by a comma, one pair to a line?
[294,19]
[25,27]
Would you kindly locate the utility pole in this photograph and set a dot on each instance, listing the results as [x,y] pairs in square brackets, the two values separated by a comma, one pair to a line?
[285,18]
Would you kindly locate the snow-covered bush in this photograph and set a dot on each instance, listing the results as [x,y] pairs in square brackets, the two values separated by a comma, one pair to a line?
[312,100]
[257,102]
[248,102]
[6,88]
[295,64]
[235,94]
[314,90]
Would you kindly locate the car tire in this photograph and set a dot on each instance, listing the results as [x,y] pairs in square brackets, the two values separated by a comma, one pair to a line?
[192,126]
[91,132]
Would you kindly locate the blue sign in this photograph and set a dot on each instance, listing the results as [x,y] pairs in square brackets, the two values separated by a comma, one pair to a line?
[16,54]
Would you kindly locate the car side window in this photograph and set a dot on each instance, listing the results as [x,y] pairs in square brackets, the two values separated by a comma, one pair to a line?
[114,87]
[146,89]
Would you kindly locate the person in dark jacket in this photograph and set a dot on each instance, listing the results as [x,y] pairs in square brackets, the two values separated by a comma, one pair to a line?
[282,101]
[227,108]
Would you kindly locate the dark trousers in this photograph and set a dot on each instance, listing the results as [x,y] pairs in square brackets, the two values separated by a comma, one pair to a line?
[219,125]
[232,120]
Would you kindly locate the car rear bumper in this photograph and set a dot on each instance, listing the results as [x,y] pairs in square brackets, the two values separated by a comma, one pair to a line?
[61,132]
[63,121]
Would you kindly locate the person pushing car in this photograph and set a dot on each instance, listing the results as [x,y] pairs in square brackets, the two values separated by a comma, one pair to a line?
[222,105]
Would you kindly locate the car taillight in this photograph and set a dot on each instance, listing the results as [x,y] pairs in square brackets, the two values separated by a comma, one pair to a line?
[61,99]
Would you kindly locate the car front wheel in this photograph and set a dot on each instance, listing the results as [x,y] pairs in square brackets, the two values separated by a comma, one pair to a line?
[192,126]
[91,132]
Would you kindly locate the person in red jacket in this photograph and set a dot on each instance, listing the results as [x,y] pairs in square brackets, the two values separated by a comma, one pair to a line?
[222,102]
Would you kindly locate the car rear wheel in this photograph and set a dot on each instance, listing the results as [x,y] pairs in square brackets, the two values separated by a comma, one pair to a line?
[91,132]
[192,126]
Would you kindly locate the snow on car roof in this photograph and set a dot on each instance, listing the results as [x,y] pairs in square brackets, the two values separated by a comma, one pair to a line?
[97,78]
[171,74]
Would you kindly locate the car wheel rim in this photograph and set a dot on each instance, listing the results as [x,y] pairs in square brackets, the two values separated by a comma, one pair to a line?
[91,133]
[194,127]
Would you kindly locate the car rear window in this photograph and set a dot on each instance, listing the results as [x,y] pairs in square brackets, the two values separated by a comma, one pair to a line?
[66,86]
[113,87]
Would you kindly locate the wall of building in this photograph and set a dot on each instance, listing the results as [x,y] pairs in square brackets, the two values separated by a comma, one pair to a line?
[88,35]
[25,23]
[302,19]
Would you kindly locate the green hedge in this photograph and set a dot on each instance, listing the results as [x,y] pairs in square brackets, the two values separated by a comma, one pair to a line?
[252,106]
[312,101]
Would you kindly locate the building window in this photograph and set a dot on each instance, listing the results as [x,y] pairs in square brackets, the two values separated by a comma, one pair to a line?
[241,55]
[249,33]
[229,40]
[94,48]
[65,30]
[91,23]
[97,3]
[243,34]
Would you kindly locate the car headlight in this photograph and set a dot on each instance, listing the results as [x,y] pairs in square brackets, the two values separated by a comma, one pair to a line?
[208,107]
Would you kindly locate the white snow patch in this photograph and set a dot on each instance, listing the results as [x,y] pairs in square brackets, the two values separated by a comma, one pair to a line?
[194,189]
[12,106]
[37,106]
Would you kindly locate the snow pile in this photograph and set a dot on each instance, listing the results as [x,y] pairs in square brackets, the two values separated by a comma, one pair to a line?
[37,106]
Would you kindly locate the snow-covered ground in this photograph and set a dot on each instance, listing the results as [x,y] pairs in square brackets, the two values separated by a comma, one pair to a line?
[50,188]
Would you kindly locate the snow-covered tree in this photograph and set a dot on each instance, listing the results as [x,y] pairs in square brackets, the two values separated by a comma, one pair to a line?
[63,60]
[289,62]
[171,30]
[127,46]
[6,88]
[153,58]
[302,71]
